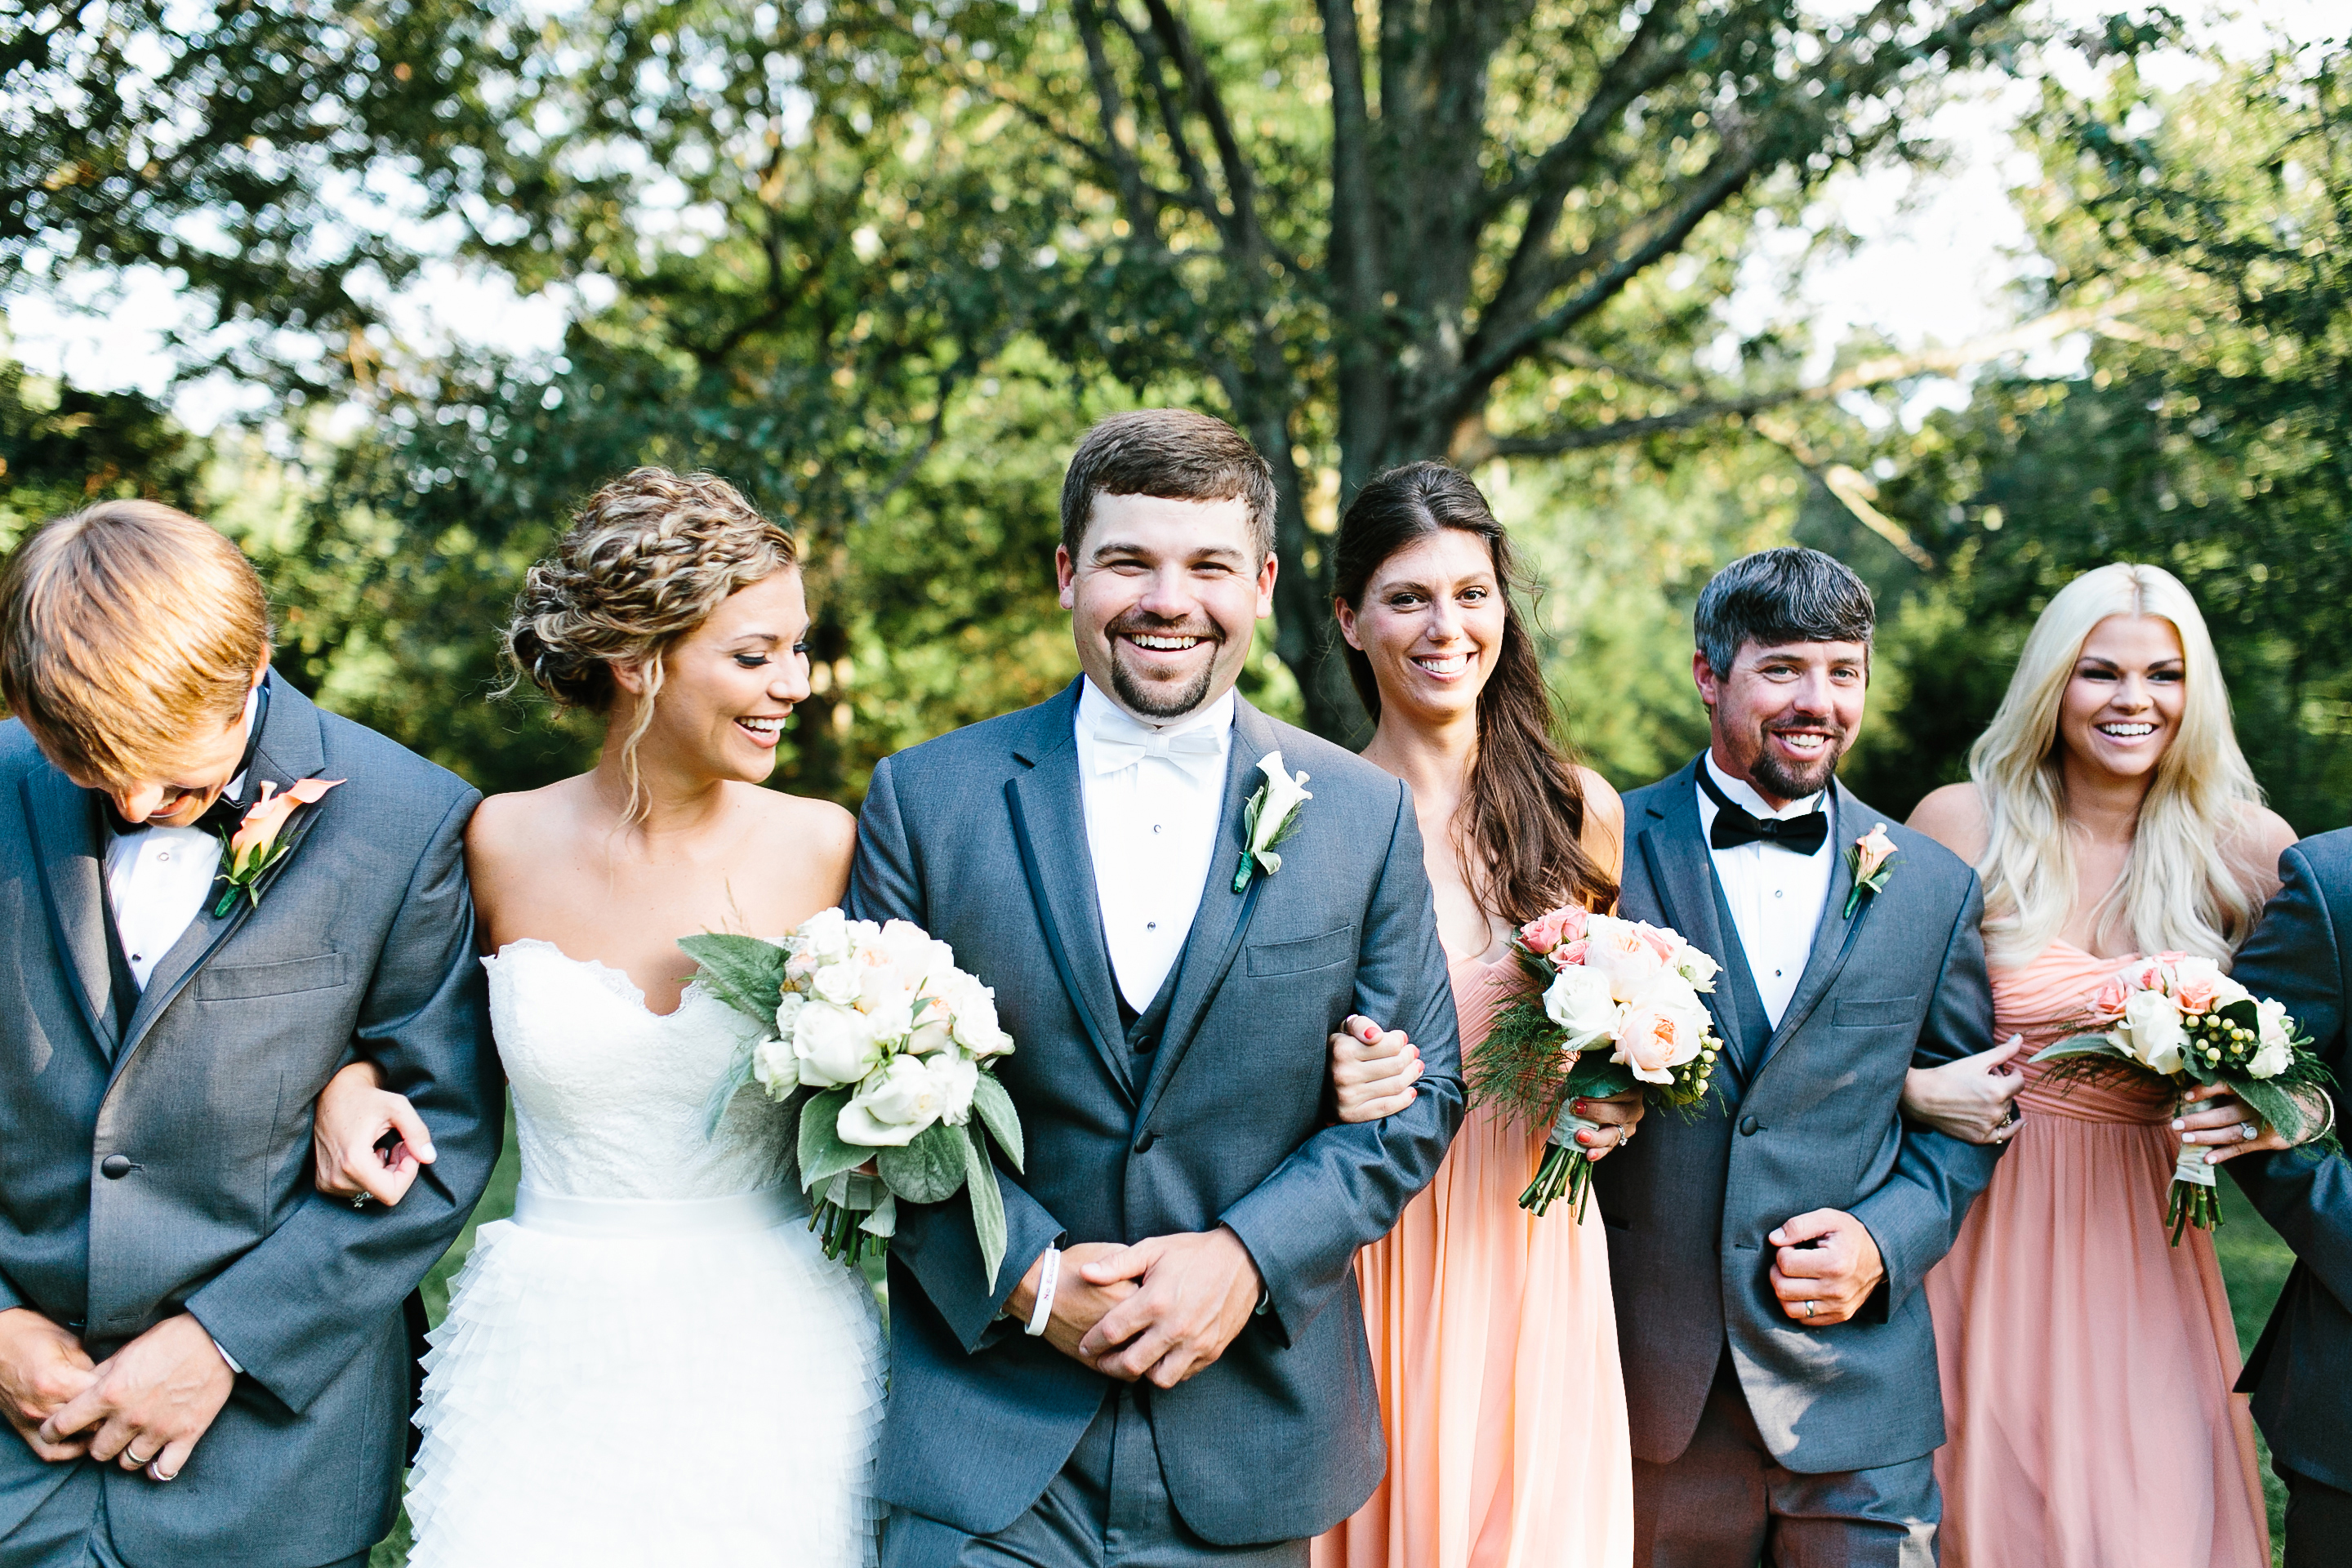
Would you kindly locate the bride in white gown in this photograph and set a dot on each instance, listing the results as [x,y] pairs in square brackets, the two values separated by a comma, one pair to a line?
[651,1362]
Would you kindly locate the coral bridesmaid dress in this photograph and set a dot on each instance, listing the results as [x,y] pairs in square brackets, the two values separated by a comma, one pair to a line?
[2086,1362]
[1495,1346]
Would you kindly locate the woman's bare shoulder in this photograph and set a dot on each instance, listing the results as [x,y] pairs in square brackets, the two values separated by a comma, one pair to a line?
[1955,817]
[2255,842]
[820,833]
[1603,804]
[519,824]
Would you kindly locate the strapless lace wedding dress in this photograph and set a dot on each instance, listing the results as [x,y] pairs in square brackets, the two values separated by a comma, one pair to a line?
[652,1362]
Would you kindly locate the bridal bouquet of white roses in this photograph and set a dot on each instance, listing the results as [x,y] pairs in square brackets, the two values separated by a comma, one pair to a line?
[1595,979]
[2176,1018]
[879,1047]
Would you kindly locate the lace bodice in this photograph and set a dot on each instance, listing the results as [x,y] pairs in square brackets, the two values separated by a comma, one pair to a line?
[610,1097]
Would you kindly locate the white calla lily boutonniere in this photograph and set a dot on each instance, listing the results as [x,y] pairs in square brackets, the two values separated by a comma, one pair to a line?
[1271,817]
[1869,861]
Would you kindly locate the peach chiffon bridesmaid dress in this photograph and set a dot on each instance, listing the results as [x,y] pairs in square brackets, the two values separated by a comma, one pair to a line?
[2086,1362]
[1495,1346]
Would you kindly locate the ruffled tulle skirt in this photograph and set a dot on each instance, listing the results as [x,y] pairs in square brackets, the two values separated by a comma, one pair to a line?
[642,1383]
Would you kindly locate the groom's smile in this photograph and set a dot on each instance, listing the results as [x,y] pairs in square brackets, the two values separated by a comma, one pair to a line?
[1163,595]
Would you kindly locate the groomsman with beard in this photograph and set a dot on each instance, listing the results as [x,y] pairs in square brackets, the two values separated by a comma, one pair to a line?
[207,1364]
[1765,1255]
[2300,1373]
[1170,1366]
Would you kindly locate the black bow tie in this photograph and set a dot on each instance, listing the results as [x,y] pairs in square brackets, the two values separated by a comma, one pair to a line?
[1735,825]
[222,816]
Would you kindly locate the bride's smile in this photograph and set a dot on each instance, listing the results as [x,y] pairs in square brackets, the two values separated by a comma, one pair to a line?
[727,687]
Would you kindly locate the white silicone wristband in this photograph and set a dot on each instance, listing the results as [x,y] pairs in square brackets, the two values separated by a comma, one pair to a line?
[1047,1278]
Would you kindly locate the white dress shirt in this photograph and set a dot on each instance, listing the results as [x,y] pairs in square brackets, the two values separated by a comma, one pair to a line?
[1776,896]
[157,879]
[1152,812]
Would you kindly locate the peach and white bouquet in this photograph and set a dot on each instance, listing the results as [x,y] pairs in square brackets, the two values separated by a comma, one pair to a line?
[2178,1020]
[881,1047]
[1595,981]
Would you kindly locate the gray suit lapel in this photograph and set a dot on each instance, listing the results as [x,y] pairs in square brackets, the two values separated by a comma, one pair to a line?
[63,817]
[291,748]
[1049,829]
[1683,875]
[1834,938]
[1223,916]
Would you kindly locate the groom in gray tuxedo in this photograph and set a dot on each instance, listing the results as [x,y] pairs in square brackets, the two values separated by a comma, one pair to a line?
[1765,1255]
[205,1362]
[1170,1366]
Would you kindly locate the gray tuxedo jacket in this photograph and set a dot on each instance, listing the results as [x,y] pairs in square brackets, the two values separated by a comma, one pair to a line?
[980,836]
[2301,1370]
[1804,1117]
[155,1145]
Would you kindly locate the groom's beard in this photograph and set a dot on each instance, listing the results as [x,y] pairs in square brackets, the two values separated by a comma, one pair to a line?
[1781,780]
[1164,700]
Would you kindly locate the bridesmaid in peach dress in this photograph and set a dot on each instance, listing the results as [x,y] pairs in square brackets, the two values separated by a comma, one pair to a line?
[1492,1336]
[2086,1362]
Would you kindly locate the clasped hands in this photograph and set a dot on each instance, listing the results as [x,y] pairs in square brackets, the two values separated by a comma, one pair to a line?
[1163,1309]
[1826,1266]
[144,1407]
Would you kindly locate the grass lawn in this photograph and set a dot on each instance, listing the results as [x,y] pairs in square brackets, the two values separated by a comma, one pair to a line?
[2253,1259]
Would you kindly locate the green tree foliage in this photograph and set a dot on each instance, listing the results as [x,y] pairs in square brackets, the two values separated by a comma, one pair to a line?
[2214,439]
[879,262]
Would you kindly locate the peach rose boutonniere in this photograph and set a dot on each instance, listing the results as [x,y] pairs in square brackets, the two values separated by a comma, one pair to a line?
[1869,861]
[258,844]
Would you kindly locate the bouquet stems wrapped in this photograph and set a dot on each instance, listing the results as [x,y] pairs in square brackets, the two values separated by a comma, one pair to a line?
[1611,1005]
[2177,1019]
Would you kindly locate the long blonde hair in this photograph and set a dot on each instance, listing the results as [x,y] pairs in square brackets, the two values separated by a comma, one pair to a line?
[2181,890]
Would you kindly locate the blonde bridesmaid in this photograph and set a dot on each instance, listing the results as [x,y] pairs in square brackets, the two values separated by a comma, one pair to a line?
[2086,1362]
[1493,1337]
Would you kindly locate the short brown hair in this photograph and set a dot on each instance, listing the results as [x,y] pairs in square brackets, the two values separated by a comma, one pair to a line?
[124,627]
[1172,453]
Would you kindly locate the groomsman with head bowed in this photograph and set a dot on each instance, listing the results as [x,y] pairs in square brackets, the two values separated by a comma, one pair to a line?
[1765,1255]
[2300,1372]
[1170,1366]
[204,1361]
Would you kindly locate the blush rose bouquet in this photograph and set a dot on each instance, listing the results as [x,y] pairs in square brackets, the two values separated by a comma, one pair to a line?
[2178,1020]
[1609,1005]
[882,1050]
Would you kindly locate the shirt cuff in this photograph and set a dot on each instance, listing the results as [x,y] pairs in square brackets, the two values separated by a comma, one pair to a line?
[228,1358]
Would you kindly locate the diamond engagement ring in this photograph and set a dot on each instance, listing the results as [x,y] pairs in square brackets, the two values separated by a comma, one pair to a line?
[2248,1131]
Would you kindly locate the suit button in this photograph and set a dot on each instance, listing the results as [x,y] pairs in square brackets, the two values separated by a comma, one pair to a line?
[1143,1144]
[114,1167]
[1145,1043]
[1748,1125]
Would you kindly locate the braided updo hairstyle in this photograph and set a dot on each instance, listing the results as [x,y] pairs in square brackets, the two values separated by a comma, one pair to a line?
[645,563]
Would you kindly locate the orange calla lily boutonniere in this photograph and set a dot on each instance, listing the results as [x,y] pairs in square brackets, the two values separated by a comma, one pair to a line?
[247,855]
[1868,860]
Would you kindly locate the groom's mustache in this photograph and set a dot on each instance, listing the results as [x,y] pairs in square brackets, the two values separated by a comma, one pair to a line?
[1135,623]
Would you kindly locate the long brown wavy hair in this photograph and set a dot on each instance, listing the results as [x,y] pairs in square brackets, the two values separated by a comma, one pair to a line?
[1521,832]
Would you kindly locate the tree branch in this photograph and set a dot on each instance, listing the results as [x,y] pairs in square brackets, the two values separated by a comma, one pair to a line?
[1142,213]
[1876,371]
[1501,341]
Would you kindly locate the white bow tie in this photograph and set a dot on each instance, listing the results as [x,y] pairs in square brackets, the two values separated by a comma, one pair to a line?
[1194,751]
